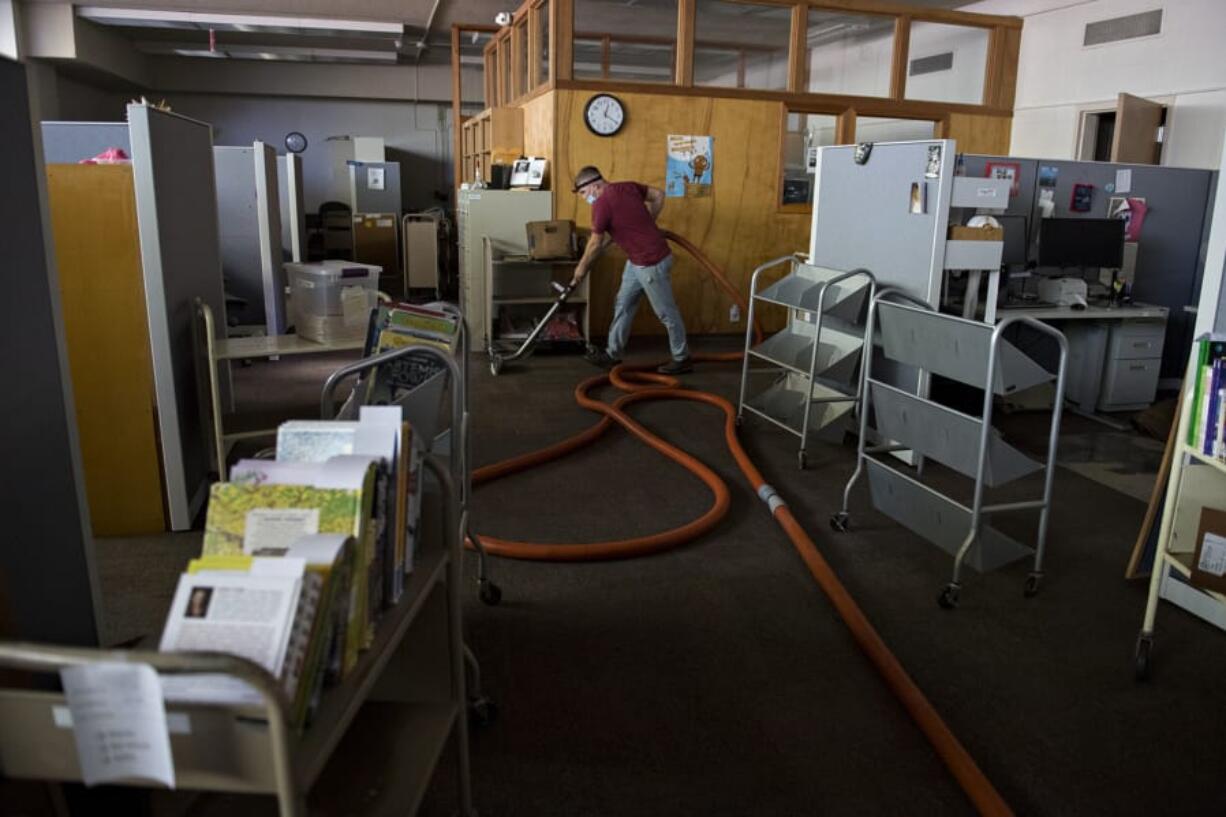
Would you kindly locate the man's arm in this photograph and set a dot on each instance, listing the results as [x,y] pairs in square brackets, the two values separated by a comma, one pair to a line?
[654,202]
[595,246]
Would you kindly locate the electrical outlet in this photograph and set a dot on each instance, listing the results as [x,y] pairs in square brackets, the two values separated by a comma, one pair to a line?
[734,313]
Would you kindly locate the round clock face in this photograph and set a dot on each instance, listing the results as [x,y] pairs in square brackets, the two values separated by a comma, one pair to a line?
[295,142]
[604,115]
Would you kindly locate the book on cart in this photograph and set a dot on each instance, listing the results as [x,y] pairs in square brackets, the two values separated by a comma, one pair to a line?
[407,326]
[284,608]
[1207,426]
[265,506]
[380,431]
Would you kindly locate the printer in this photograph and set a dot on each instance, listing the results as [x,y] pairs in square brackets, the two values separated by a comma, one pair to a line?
[1063,292]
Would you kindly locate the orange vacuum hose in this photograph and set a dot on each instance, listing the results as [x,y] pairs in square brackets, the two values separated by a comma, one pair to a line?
[640,385]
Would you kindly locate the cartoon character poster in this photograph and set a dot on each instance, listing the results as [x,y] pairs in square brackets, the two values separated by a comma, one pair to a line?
[688,172]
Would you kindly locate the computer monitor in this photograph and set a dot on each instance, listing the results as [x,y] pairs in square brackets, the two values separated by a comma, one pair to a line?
[1081,242]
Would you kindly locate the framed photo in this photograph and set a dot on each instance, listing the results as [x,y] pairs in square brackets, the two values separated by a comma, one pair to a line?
[528,172]
[1006,170]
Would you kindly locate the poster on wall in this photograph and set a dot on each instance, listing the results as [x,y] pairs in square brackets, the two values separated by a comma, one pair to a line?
[688,171]
[1131,210]
[1010,171]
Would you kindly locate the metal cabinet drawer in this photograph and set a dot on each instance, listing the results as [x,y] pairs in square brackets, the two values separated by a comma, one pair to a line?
[1136,340]
[1129,384]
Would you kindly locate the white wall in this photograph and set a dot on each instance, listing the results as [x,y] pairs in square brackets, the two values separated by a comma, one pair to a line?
[1184,66]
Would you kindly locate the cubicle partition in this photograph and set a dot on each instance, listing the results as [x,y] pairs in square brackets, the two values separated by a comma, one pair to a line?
[48,587]
[171,240]
[249,220]
[1171,245]
[293,207]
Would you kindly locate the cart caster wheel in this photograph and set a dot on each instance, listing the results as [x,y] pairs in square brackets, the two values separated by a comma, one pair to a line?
[490,593]
[801,460]
[482,711]
[1032,585]
[949,597]
[739,421]
[495,366]
[1142,660]
[839,521]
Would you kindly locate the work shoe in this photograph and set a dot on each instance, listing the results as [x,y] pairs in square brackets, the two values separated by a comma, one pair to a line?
[600,358]
[677,366]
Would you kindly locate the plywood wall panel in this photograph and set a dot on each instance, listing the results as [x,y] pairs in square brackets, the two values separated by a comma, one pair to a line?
[538,126]
[980,134]
[97,248]
[739,226]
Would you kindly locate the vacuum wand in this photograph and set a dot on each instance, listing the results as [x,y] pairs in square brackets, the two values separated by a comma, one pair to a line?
[497,359]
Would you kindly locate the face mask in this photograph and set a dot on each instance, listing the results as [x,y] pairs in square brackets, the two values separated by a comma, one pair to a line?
[590,198]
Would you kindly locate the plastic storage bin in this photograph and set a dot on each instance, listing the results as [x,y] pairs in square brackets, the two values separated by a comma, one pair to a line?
[331,300]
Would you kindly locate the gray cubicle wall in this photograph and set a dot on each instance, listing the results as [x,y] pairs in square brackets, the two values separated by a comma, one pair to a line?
[66,143]
[1170,253]
[176,210]
[48,587]
[249,224]
[293,207]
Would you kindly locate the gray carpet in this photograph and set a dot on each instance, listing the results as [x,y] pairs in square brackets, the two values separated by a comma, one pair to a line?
[717,680]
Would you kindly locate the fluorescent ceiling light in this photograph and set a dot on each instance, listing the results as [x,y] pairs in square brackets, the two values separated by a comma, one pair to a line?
[270,52]
[151,18]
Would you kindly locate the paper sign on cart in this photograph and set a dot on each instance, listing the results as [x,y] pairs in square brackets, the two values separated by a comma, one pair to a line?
[119,722]
[1213,555]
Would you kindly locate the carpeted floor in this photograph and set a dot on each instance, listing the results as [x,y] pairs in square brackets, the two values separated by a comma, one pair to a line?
[717,680]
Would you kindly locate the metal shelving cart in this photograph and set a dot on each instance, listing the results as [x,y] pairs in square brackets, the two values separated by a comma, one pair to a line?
[975,354]
[520,288]
[814,355]
[1197,480]
[410,685]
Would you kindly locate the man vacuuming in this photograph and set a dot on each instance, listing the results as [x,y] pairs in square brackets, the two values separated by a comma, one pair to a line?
[625,214]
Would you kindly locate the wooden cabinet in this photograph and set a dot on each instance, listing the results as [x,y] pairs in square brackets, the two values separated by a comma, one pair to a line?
[493,133]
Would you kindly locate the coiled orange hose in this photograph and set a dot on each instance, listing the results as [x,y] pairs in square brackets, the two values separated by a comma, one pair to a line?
[639,385]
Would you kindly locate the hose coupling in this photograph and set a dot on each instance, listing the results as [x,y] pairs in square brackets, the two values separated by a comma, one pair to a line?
[772,499]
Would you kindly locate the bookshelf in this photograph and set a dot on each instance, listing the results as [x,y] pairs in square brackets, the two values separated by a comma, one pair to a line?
[1197,480]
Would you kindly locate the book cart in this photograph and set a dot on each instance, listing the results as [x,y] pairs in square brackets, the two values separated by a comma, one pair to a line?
[975,354]
[1197,481]
[404,699]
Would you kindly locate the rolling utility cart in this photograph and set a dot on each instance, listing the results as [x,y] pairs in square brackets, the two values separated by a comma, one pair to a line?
[1197,481]
[814,356]
[975,354]
[411,681]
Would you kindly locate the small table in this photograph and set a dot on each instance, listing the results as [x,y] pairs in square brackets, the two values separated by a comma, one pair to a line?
[244,348]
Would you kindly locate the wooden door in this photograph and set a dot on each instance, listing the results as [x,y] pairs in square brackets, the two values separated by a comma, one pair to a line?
[1136,130]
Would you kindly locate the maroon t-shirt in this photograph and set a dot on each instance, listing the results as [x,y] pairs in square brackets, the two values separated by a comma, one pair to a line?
[620,211]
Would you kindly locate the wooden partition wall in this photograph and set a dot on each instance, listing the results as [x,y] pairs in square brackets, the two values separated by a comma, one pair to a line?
[743,222]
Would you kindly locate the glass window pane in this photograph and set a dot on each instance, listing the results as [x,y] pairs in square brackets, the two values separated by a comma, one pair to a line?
[588,59]
[740,45]
[542,37]
[642,39]
[803,131]
[849,53]
[879,129]
[521,67]
[947,63]
[472,67]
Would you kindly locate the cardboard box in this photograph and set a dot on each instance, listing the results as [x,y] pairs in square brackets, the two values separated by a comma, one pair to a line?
[551,239]
[1209,558]
[958,233]
[374,242]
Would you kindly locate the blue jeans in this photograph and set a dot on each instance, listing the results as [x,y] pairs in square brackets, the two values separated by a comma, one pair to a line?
[658,285]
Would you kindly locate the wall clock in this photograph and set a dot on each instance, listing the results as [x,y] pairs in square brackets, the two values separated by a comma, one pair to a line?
[604,115]
[295,142]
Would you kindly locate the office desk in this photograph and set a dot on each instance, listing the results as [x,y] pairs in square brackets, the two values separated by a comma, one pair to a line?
[1115,353]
